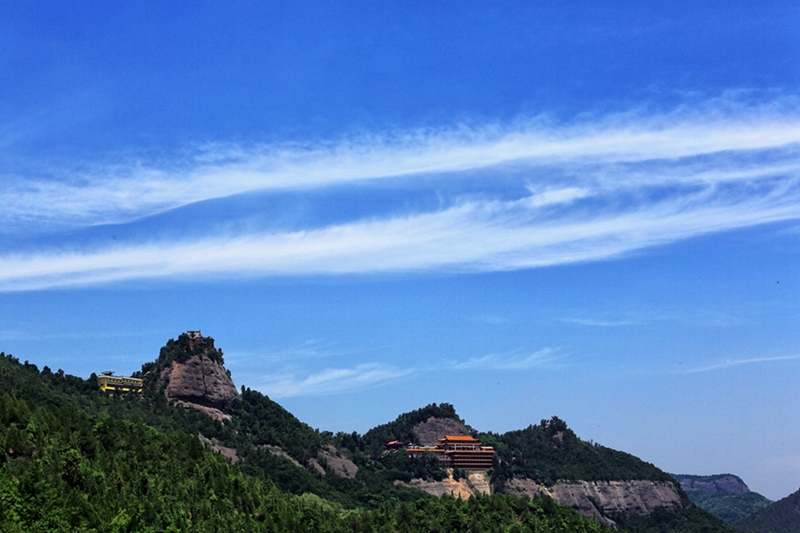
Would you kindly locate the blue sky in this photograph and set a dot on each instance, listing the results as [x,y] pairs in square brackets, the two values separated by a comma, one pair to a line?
[523,208]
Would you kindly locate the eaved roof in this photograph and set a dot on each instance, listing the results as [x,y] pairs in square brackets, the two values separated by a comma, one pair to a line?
[459,438]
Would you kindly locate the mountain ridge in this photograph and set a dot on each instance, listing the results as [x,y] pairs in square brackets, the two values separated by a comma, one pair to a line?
[256,432]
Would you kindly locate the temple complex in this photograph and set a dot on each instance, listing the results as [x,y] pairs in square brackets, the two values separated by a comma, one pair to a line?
[458,451]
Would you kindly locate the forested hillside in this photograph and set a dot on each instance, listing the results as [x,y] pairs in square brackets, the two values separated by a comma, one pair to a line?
[780,517]
[723,495]
[256,421]
[730,507]
[64,470]
[550,451]
[100,467]
[546,453]
[77,459]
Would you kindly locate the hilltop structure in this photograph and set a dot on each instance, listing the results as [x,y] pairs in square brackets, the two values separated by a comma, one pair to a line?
[110,383]
[458,451]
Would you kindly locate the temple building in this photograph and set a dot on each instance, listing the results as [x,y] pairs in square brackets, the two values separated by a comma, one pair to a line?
[458,451]
[110,383]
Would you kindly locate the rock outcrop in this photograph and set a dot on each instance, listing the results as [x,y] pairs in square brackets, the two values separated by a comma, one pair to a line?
[226,451]
[476,483]
[435,428]
[339,464]
[598,499]
[199,381]
[190,371]
[713,484]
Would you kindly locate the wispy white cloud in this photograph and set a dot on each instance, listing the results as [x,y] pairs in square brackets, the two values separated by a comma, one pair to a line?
[293,381]
[332,380]
[474,236]
[730,363]
[622,184]
[311,349]
[515,360]
[123,192]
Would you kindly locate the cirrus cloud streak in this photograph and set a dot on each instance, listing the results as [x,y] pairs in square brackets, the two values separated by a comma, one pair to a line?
[732,363]
[332,380]
[589,192]
[126,191]
[468,237]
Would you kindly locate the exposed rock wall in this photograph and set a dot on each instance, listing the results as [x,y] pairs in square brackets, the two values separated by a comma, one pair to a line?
[225,451]
[339,465]
[190,372]
[596,499]
[477,483]
[199,381]
[714,484]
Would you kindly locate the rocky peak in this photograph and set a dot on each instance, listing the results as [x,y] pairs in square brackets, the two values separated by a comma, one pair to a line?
[191,371]
[434,428]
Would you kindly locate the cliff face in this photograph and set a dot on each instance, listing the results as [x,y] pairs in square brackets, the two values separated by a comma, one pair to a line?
[713,484]
[198,381]
[191,372]
[596,499]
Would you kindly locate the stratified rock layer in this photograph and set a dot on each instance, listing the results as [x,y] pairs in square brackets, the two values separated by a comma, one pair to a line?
[596,499]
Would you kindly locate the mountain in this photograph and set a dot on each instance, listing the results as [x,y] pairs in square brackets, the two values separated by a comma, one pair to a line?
[76,458]
[546,459]
[64,470]
[723,495]
[782,516]
[73,458]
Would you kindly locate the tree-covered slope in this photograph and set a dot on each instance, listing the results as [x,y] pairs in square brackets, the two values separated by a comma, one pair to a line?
[723,495]
[76,459]
[729,506]
[255,423]
[693,519]
[64,470]
[780,517]
[550,452]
